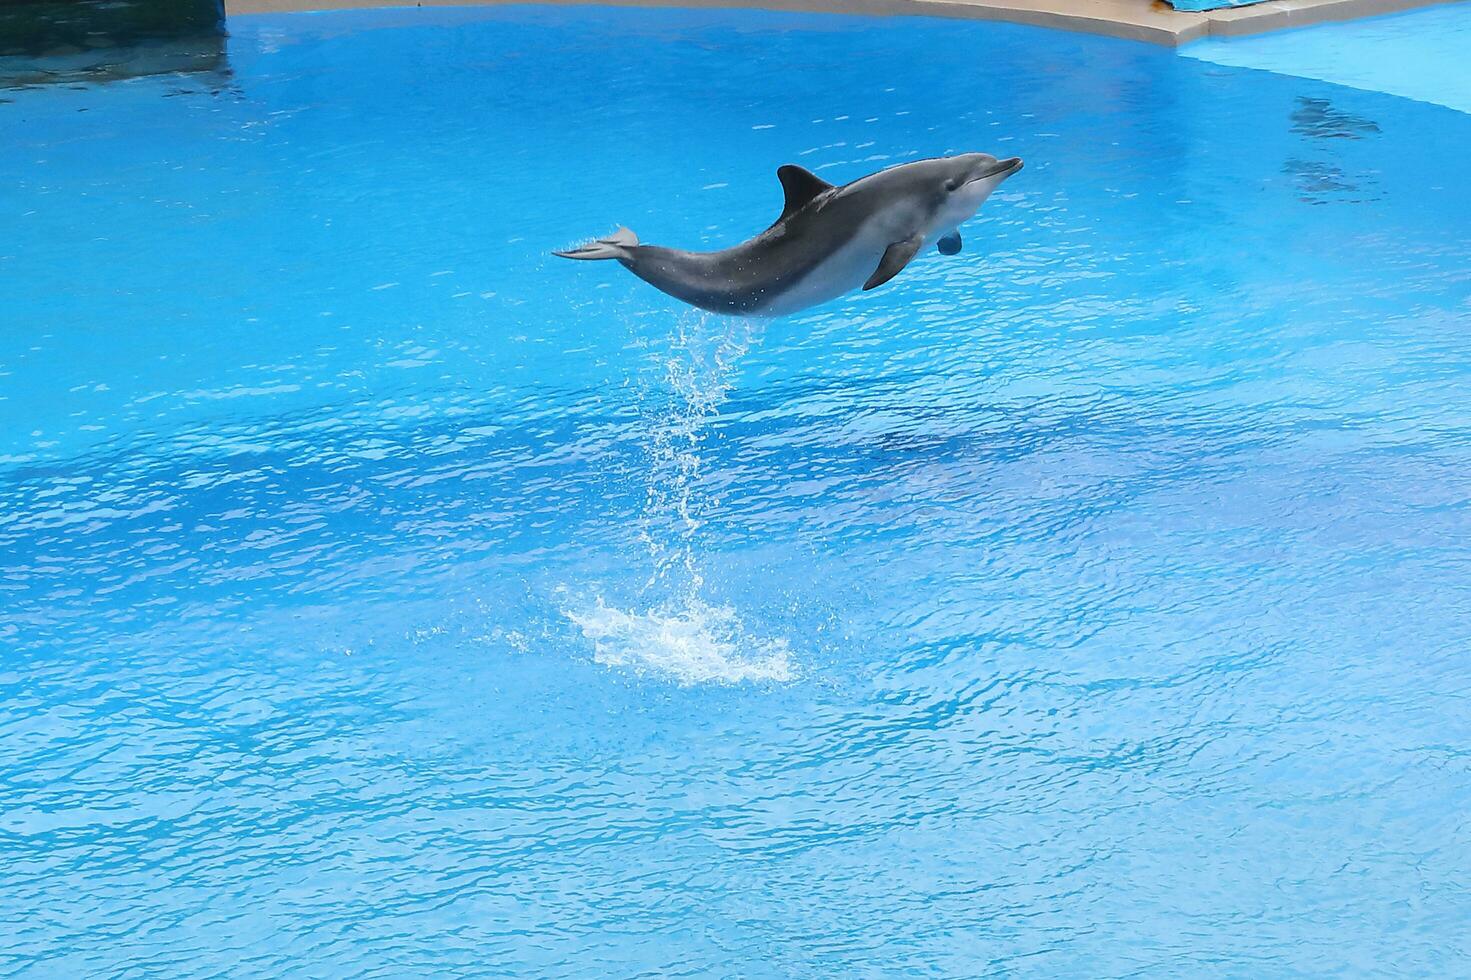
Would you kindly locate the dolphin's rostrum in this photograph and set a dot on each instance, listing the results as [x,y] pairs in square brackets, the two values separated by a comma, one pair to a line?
[828,240]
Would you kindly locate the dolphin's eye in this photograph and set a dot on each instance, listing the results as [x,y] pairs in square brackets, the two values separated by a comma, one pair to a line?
[952,184]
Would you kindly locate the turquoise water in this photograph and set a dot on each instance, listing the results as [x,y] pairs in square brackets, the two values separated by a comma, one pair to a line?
[383,596]
[1419,55]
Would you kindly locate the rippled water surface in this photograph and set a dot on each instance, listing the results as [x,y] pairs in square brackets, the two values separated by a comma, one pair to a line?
[382,596]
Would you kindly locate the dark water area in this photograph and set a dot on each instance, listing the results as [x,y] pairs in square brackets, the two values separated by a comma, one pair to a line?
[104,40]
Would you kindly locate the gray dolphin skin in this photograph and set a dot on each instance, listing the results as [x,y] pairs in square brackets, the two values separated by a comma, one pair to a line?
[828,241]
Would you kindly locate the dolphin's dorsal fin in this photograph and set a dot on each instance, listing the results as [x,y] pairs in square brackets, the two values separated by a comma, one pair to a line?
[801,186]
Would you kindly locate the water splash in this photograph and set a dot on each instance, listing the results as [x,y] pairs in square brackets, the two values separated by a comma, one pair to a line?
[691,642]
[679,633]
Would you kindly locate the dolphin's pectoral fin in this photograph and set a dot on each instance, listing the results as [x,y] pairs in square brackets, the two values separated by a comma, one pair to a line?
[800,186]
[950,244]
[895,258]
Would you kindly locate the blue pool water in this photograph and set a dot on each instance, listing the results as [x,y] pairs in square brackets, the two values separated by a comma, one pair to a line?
[384,597]
[1419,55]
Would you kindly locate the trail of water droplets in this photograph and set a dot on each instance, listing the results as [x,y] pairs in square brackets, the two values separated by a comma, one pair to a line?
[698,370]
[680,633]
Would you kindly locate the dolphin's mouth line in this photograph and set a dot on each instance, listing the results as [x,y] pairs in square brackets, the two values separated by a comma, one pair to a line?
[1003,167]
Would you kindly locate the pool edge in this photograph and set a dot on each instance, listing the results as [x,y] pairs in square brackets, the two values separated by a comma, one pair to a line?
[1136,20]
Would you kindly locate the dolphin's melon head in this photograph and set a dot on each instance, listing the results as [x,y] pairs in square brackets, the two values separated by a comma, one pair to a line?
[968,168]
[967,179]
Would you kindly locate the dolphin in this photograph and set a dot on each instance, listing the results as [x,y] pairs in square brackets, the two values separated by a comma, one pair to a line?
[829,240]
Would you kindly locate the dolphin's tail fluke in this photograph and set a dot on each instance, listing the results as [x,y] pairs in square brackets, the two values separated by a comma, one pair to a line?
[615,246]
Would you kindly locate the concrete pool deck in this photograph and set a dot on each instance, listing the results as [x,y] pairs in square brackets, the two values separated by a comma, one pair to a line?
[1139,20]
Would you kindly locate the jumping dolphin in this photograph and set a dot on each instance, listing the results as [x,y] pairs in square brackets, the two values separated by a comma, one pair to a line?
[828,240]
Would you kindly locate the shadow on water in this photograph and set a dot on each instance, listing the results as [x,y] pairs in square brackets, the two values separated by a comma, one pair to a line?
[79,41]
[1320,119]
[1318,178]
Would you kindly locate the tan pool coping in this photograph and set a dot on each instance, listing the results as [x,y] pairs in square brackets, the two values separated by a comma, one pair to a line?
[1139,20]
